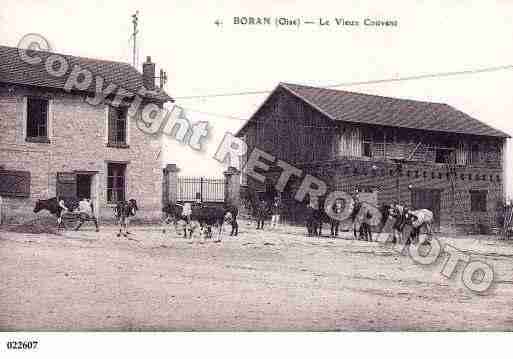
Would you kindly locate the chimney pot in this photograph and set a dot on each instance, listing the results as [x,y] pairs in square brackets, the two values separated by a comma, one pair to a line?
[149,74]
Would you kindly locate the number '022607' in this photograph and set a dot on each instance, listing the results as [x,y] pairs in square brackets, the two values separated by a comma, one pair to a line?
[22,345]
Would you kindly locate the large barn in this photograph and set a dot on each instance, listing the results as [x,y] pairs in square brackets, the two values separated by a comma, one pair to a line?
[422,154]
[53,142]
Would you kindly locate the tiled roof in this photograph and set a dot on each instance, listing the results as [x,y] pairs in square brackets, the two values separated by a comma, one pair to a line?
[14,70]
[385,111]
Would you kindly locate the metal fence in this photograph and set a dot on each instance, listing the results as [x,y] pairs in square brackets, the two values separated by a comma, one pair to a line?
[207,189]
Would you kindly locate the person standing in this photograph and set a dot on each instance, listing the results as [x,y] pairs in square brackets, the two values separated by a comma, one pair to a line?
[187,212]
[86,213]
[261,213]
[335,223]
[63,209]
[276,212]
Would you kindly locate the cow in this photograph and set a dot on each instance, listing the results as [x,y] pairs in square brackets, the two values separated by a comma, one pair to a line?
[122,212]
[58,206]
[206,216]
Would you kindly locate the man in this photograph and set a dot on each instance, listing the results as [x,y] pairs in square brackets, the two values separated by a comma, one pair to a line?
[399,212]
[276,212]
[187,212]
[63,211]
[335,223]
[86,213]
[261,214]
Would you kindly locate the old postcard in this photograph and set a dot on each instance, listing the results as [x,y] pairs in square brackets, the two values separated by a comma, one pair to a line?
[255,166]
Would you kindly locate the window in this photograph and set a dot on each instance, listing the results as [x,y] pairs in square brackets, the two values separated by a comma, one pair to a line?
[14,183]
[117,126]
[474,153]
[116,182]
[367,149]
[443,155]
[37,120]
[478,201]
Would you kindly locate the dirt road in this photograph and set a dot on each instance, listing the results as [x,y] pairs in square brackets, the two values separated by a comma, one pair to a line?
[264,280]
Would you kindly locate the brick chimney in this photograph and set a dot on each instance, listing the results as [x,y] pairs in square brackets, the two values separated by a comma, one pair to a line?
[149,74]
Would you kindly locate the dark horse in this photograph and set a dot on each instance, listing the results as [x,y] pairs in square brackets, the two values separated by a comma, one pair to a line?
[52,205]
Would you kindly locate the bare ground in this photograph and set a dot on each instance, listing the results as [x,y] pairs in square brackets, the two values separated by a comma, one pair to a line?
[263,280]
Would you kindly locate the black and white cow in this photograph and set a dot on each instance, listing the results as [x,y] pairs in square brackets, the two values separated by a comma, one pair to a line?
[58,206]
[206,216]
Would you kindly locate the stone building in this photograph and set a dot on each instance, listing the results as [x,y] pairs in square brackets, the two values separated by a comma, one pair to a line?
[425,155]
[54,142]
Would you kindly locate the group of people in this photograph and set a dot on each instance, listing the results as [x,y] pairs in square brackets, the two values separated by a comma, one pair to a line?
[263,211]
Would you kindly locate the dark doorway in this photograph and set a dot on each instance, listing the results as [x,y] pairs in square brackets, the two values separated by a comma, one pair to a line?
[84,186]
[66,185]
[428,199]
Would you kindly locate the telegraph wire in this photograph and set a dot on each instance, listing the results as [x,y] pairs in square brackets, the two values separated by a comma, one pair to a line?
[357,83]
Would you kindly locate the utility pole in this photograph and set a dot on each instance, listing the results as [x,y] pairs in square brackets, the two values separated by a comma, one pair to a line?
[135,21]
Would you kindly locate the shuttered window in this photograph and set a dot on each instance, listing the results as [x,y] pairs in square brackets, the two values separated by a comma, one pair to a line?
[117,126]
[14,183]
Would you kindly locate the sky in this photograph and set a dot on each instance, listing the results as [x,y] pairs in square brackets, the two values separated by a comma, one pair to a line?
[202,58]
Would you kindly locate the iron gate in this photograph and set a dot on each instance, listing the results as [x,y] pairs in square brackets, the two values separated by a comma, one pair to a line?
[207,189]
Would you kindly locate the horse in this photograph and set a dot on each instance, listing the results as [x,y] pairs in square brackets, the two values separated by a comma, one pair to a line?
[403,217]
[122,212]
[362,217]
[52,205]
[398,213]
[418,219]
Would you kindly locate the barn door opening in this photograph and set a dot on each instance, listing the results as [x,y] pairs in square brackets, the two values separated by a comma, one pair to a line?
[84,186]
[429,199]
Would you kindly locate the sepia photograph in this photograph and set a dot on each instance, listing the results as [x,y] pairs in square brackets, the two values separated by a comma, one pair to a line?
[272,166]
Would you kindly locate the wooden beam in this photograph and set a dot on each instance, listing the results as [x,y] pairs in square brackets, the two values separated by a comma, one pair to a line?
[413,152]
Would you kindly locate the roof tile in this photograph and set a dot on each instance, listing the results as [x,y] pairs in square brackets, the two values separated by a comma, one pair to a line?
[386,111]
[14,70]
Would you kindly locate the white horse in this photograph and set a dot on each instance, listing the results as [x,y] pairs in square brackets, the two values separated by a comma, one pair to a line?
[418,219]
